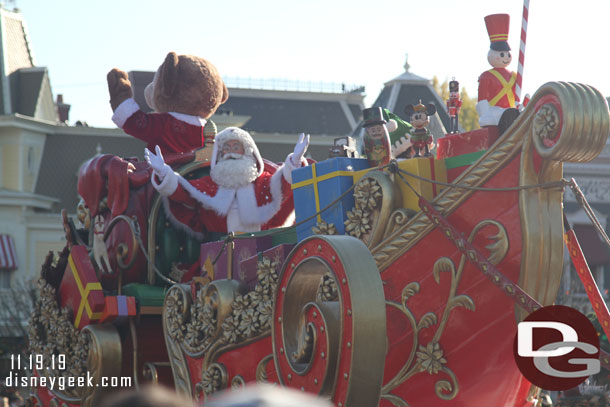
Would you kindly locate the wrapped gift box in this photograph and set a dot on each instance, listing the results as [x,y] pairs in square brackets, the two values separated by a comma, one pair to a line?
[428,168]
[146,294]
[319,184]
[425,167]
[456,165]
[465,143]
[248,267]
[118,309]
[244,249]
[80,290]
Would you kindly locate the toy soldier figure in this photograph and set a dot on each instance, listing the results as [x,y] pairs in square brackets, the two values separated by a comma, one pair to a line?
[497,85]
[377,138]
[454,103]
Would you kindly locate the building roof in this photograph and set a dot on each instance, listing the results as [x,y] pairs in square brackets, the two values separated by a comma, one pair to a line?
[139,80]
[280,111]
[33,96]
[67,149]
[290,112]
[24,88]
[409,89]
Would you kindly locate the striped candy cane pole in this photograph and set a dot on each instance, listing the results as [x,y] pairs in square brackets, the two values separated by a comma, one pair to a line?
[526,6]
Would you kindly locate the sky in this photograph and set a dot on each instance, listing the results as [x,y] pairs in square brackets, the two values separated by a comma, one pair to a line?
[339,41]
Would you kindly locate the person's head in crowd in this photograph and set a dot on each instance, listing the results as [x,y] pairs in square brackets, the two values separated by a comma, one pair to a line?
[265,395]
[147,396]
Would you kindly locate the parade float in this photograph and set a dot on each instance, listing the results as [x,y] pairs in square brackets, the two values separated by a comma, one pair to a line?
[401,283]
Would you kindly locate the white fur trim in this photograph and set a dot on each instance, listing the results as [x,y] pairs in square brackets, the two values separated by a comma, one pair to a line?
[262,214]
[289,166]
[168,184]
[249,211]
[400,146]
[234,133]
[190,119]
[177,224]
[391,125]
[219,203]
[124,111]
[489,115]
[290,219]
[235,224]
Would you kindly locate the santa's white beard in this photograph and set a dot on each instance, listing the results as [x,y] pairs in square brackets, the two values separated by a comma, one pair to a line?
[234,173]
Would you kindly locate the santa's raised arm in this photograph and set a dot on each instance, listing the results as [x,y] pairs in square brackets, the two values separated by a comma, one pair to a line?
[239,195]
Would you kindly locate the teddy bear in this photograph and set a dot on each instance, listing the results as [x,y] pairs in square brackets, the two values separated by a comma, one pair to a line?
[185,92]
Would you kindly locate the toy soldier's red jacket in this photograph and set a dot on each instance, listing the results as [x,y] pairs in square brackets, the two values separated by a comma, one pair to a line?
[172,132]
[453,105]
[498,87]
[202,204]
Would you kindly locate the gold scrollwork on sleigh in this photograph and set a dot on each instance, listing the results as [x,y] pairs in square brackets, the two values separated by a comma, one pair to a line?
[221,316]
[429,357]
[96,350]
[562,122]
[375,198]
[329,321]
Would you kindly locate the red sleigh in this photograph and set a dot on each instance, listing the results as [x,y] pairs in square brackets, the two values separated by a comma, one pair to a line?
[399,316]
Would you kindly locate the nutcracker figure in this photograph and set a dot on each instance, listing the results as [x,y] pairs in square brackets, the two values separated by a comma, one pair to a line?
[497,85]
[377,138]
[454,104]
[420,135]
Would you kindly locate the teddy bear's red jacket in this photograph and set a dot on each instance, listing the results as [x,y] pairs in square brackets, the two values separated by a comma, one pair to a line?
[172,132]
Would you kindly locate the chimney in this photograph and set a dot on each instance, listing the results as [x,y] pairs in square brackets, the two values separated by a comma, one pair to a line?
[63,109]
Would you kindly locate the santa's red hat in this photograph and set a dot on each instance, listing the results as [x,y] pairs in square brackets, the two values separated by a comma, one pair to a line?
[497,28]
[234,133]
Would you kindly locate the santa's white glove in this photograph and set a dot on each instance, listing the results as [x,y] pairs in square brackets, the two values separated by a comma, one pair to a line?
[299,149]
[156,162]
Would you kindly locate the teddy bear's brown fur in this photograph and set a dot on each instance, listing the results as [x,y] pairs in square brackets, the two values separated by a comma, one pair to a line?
[183,84]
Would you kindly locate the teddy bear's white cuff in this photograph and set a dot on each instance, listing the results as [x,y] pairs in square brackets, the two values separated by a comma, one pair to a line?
[168,184]
[124,112]
[289,166]
[190,119]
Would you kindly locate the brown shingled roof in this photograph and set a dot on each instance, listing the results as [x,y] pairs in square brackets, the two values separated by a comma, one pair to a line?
[65,153]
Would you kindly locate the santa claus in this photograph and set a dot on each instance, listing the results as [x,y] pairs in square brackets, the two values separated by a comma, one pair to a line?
[241,194]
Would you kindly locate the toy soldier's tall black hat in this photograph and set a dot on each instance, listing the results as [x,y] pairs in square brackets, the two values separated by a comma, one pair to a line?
[372,116]
[497,28]
[454,86]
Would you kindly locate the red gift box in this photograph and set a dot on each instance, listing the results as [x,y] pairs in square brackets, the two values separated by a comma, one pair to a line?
[118,308]
[244,248]
[248,267]
[458,144]
[80,290]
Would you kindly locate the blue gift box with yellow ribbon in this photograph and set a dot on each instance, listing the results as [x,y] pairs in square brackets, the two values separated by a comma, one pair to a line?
[317,185]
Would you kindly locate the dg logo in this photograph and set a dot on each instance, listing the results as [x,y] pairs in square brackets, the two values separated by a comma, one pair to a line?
[557,348]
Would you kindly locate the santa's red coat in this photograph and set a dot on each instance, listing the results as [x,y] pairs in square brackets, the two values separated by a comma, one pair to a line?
[201,205]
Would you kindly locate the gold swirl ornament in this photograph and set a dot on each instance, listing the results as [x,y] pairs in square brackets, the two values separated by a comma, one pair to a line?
[332,344]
